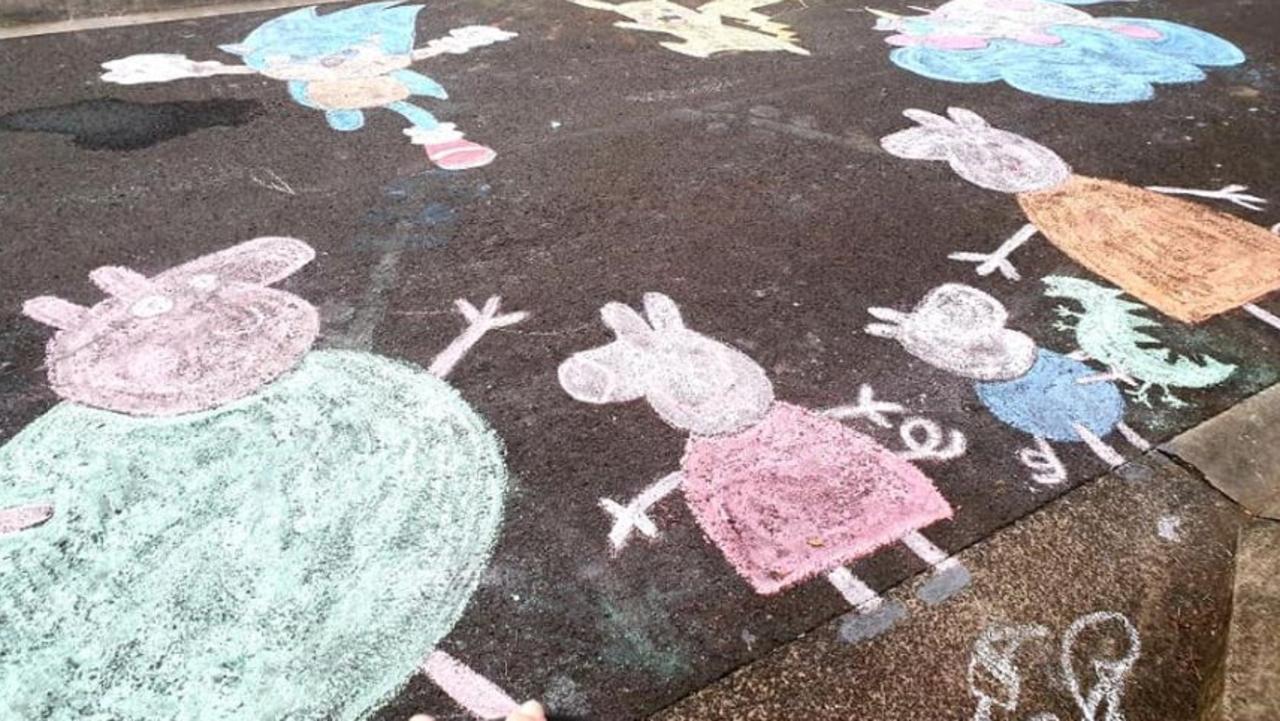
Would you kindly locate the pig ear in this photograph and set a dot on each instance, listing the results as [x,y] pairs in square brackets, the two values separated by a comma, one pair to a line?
[663,312]
[261,261]
[120,282]
[968,119]
[889,329]
[55,312]
[926,119]
[626,324]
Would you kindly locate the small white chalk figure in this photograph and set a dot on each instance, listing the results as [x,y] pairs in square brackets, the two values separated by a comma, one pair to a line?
[786,493]
[1050,396]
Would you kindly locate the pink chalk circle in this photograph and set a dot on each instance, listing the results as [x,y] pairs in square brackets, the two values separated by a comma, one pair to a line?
[1138,32]
[905,41]
[800,494]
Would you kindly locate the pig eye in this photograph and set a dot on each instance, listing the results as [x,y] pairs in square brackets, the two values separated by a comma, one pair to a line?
[204,281]
[151,306]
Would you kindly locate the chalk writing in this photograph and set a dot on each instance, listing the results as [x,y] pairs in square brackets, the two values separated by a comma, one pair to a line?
[1109,673]
[1109,330]
[961,329]
[784,492]
[1181,258]
[234,508]
[924,439]
[994,658]
[1051,49]
[342,63]
[717,26]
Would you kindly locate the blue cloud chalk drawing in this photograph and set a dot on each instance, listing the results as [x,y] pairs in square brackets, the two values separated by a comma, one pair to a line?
[342,63]
[1050,49]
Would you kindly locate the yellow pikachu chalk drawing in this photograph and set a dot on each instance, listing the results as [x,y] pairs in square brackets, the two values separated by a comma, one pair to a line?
[703,31]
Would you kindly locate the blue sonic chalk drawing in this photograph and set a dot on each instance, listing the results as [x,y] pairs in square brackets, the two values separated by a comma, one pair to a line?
[1052,49]
[343,63]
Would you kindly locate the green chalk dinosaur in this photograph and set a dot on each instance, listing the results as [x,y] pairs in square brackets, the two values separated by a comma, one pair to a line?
[1110,331]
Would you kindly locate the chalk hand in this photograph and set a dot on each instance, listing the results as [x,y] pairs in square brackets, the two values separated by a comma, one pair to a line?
[163,67]
[988,263]
[487,317]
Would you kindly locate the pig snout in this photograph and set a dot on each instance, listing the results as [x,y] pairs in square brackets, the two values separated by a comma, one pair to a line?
[587,380]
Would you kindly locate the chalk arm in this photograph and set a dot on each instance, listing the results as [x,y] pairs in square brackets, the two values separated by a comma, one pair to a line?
[632,516]
[479,322]
[164,67]
[998,259]
[1230,193]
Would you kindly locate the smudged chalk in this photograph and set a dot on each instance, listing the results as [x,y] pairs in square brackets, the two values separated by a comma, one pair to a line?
[111,124]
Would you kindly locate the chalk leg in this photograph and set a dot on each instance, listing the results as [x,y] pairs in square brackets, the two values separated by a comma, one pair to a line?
[478,695]
[947,577]
[872,614]
[1132,436]
[1265,316]
[1099,447]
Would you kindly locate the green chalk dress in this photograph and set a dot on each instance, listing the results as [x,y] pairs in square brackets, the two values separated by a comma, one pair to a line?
[291,555]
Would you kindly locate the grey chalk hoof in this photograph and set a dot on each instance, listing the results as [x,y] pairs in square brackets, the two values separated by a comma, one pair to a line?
[942,585]
[862,625]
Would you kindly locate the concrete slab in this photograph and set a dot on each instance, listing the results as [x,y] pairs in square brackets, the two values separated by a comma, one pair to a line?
[1238,451]
[1249,687]
[1150,543]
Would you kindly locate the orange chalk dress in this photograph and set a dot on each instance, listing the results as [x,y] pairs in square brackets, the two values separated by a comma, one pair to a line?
[1184,259]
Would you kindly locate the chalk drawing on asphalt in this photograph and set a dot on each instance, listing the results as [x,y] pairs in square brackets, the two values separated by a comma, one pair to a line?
[1108,663]
[785,493]
[994,658]
[343,63]
[1109,330]
[1051,49]
[1047,395]
[232,507]
[717,26]
[1181,258]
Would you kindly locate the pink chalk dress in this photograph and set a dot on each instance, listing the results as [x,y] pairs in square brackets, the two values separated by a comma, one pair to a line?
[800,494]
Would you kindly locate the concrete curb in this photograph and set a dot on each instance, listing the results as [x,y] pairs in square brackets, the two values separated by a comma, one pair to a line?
[25,18]
[1238,452]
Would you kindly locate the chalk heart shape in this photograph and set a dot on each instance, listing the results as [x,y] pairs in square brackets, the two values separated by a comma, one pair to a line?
[961,329]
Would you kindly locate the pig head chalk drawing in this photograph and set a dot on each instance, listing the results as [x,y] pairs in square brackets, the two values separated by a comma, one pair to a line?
[718,26]
[1051,49]
[342,63]
[1050,396]
[218,522]
[1181,258]
[785,493]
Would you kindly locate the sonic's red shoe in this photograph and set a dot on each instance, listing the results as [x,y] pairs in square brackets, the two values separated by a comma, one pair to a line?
[459,154]
[447,149]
